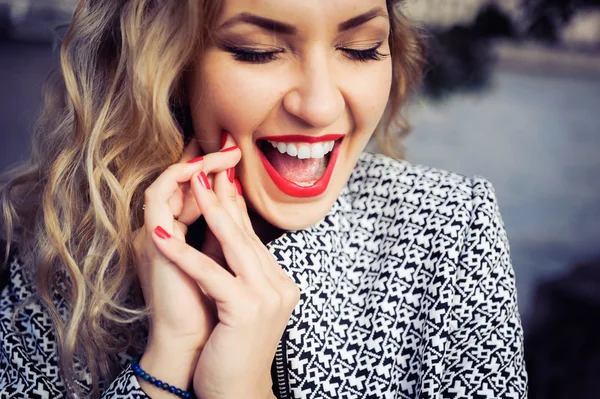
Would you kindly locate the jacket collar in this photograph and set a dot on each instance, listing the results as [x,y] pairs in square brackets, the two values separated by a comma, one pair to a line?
[311,254]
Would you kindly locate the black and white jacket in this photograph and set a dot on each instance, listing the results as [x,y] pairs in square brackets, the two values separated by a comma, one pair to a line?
[407,292]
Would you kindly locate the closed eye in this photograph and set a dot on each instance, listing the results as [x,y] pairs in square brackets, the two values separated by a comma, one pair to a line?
[252,56]
[370,54]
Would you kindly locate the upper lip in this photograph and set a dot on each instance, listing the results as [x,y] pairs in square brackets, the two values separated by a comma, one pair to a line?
[297,138]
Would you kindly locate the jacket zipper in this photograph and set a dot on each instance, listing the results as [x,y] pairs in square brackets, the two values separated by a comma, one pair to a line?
[280,370]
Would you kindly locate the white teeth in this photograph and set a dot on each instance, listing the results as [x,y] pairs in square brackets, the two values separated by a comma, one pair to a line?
[292,150]
[281,147]
[317,151]
[304,150]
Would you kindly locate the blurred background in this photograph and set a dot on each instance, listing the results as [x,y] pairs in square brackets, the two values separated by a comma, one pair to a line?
[512,93]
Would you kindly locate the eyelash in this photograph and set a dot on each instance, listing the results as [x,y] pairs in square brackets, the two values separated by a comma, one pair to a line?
[251,56]
[370,54]
[261,57]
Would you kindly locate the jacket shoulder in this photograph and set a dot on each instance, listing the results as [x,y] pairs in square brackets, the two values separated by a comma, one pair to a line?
[402,180]
[409,201]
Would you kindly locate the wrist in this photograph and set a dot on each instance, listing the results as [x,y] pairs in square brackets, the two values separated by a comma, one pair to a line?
[170,364]
[145,378]
[168,345]
[167,339]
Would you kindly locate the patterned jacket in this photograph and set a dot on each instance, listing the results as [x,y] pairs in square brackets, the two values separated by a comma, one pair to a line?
[407,292]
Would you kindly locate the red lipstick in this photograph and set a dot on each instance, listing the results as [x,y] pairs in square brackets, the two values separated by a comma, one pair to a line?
[296,138]
[291,188]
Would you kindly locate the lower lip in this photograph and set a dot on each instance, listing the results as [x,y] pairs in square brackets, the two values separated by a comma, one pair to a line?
[295,190]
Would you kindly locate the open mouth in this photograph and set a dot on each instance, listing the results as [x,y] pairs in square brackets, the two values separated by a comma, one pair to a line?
[300,166]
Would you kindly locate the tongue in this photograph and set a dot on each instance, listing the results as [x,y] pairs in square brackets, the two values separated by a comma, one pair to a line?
[294,169]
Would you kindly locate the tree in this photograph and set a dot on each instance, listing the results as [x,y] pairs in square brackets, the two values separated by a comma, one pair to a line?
[547,17]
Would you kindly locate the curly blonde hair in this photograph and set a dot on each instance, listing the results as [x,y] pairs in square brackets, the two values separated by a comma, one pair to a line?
[111,123]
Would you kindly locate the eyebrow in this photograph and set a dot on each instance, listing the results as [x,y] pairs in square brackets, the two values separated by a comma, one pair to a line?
[264,23]
[274,26]
[362,18]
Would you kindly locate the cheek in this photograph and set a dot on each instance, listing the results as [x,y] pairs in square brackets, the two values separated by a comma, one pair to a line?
[368,96]
[239,98]
[231,97]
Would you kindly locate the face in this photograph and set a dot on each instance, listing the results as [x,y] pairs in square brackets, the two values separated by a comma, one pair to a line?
[300,85]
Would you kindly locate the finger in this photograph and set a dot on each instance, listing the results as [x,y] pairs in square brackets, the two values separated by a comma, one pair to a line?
[224,185]
[245,217]
[189,209]
[182,227]
[191,151]
[225,190]
[215,281]
[213,163]
[237,246]
[157,197]
[241,202]
[271,268]
[222,160]
[211,247]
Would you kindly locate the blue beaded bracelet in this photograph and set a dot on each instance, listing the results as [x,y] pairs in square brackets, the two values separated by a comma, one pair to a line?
[137,370]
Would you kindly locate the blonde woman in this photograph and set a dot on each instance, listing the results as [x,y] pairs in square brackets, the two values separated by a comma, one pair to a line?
[198,217]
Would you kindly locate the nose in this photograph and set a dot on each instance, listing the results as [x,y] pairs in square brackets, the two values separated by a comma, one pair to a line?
[316,98]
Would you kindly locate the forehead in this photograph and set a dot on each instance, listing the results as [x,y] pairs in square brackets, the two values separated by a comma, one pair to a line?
[302,13]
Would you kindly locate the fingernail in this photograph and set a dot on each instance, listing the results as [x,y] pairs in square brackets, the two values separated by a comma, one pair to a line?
[159,231]
[235,147]
[204,180]
[195,160]
[223,139]
[238,185]
[231,174]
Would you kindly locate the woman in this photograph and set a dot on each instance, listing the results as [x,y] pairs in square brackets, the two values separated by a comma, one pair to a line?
[198,196]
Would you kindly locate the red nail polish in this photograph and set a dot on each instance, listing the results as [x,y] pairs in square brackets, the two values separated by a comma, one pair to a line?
[231,174]
[238,185]
[159,231]
[204,180]
[223,139]
[235,147]
[195,160]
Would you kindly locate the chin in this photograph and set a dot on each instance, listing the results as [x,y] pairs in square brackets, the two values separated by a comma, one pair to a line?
[279,198]
[292,217]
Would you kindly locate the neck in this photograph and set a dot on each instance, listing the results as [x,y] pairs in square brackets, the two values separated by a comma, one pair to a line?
[263,229]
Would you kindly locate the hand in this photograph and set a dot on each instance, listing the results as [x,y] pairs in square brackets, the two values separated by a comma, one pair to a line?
[182,317]
[253,301]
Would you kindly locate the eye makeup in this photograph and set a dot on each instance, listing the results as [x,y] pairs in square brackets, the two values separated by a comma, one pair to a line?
[253,55]
[364,55]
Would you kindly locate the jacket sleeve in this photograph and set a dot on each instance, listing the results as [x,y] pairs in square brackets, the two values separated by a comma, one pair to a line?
[484,356]
[29,366]
[125,386]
